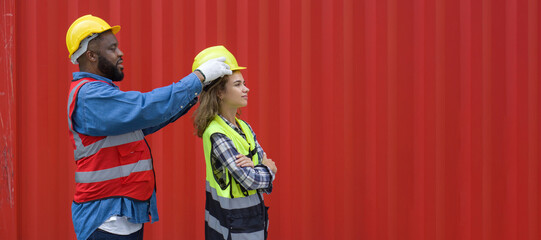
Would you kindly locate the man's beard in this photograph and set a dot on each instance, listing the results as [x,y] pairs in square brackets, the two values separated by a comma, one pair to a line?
[109,69]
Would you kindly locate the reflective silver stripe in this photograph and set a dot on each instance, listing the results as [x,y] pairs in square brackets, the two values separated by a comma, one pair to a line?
[112,173]
[234,203]
[248,236]
[110,141]
[70,99]
[214,223]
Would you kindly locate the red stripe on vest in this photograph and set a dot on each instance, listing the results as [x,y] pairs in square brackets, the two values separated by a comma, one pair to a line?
[120,187]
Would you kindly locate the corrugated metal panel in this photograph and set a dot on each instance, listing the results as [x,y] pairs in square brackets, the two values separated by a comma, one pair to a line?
[8,198]
[387,119]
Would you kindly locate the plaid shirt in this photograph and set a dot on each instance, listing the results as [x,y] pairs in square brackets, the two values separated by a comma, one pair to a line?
[224,155]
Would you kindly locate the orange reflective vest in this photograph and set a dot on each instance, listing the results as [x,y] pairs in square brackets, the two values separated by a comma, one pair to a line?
[109,166]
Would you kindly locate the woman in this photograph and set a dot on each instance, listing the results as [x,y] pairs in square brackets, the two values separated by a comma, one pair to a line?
[238,171]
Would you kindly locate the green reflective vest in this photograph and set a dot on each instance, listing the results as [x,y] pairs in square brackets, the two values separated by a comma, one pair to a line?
[232,212]
[245,147]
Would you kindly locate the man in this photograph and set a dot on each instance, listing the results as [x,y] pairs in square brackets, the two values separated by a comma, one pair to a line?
[115,183]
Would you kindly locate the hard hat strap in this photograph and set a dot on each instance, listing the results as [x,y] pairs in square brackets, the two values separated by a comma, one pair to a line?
[82,48]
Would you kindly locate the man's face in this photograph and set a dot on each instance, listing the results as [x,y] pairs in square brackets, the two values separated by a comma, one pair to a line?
[110,57]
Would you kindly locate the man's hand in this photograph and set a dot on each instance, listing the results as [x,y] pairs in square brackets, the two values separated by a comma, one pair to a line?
[269,163]
[243,161]
[214,69]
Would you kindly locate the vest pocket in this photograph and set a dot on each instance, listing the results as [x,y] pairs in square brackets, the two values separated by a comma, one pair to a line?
[246,220]
[130,158]
[131,152]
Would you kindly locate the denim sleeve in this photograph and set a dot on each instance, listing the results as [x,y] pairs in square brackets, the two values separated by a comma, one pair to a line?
[103,110]
[154,129]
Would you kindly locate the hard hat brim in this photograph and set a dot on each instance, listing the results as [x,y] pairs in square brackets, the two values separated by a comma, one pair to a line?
[115,29]
[238,68]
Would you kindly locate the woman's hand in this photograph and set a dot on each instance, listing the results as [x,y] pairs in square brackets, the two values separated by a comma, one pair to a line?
[243,161]
[269,163]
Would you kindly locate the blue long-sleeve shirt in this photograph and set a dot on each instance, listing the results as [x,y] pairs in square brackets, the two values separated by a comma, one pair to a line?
[104,110]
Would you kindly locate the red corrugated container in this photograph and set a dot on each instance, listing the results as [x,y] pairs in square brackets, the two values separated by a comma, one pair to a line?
[393,119]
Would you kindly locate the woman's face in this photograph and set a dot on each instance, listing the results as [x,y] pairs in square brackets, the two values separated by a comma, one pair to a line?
[236,92]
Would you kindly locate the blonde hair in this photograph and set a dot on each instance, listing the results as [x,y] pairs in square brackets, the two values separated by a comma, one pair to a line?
[209,105]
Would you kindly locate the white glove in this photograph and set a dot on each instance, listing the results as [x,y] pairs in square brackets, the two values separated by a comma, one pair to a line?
[214,69]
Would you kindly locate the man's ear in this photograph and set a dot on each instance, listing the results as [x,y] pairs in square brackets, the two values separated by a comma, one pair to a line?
[91,56]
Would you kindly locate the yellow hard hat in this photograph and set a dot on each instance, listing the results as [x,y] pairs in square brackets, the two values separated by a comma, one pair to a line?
[83,27]
[216,52]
